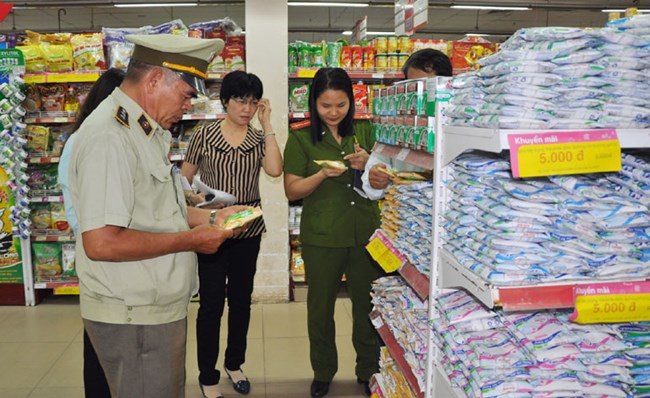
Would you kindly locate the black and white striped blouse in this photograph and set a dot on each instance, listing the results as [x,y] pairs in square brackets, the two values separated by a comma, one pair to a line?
[230,169]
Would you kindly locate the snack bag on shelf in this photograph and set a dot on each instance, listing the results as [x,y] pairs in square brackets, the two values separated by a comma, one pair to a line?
[52,96]
[34,61]
[360,97]
[58,39]
[59,221]
[47,261]
[299,97]
[33,101]
[38,138]
[44,178]
[175,27]
[68,264]
[58,57]
[40,216]
[88,52]
[58,136]
[333,54]
[118,49]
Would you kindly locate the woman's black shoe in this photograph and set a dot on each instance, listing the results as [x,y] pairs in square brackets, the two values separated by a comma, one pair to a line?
[319,388]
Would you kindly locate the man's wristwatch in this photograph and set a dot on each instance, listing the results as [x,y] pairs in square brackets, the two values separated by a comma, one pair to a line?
[213,217]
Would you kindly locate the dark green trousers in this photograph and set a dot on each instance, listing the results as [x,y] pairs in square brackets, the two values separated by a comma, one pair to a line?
[324,268]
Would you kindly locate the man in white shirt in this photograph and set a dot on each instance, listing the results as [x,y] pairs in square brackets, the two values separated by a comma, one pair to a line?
[421,64]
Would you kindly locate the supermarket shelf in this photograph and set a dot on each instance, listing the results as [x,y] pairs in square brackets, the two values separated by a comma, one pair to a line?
[51,236]
[396,352]
[63,77]
[419,158]
[60,288]
[459,139]
[46,199]
[418,281]
[512,298]
[305,115]
[203,116]
[50,117]
[43,159]
[308,73]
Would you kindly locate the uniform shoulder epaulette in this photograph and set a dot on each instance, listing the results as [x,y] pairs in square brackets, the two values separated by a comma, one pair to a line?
[122,116]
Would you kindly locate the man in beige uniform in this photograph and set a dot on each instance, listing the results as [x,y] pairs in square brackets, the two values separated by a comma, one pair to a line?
[135,258]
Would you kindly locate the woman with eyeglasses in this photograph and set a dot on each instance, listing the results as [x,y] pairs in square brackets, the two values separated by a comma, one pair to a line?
[228,155]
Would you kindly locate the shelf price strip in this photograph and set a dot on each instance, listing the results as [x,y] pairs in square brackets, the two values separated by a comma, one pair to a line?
[558,153]
[612,303]
[384,253]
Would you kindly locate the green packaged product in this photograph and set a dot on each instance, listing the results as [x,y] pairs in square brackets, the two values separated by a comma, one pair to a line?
[299,97]
[317,56]
[333,54]
[293,56]
[47,261]
[304,55]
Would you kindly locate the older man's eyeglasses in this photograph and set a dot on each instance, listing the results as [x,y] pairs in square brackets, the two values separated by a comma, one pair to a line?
[246,101]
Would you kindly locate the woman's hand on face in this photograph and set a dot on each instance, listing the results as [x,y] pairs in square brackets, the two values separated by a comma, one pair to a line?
[264,114]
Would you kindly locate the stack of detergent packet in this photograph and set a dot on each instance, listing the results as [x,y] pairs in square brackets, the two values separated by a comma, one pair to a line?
[406,317]
[534,354]
[548,229]
[407,220]
[13,154]
[561,78]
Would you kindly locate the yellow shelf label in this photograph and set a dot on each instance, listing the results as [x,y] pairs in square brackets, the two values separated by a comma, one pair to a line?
[307,73]
[67,290]
[386,259]
[535,155]
[34,79]
[72,77]
[613,308]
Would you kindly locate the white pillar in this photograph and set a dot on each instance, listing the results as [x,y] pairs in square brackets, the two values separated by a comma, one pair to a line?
[267,26]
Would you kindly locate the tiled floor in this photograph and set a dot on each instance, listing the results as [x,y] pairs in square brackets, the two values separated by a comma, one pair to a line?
[41,352]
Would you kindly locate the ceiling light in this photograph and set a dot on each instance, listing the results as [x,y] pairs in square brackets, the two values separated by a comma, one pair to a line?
[610,10]
[326,4]
[499,8]
[134,5]
[476,34]
[349,33]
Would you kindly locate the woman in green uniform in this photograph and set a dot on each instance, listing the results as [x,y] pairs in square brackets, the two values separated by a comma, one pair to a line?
[336,223]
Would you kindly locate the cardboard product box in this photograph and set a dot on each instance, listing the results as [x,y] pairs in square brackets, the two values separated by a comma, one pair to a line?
[464,54]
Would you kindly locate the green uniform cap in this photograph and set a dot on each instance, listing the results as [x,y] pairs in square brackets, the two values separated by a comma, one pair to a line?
[188,57]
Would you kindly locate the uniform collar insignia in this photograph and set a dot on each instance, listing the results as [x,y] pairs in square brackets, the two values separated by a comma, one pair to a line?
[145,124]
[122,116]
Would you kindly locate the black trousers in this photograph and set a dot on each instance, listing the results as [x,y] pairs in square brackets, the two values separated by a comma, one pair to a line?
[228,273]
[95,385]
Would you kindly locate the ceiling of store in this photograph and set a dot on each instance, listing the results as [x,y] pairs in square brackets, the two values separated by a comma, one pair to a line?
[315,23]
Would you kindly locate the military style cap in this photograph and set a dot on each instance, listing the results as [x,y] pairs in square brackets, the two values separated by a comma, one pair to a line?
[188,57]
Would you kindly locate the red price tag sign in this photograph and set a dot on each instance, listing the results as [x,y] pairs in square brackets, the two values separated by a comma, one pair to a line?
[612,303]
[558,153]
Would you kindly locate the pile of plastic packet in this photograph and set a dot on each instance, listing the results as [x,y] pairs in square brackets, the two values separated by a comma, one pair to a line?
[561,78]
[406,317]
[537,354]
[390,377]
[548,229]
[406,219]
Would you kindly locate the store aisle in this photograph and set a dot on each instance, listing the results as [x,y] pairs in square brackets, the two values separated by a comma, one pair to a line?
[41,352]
